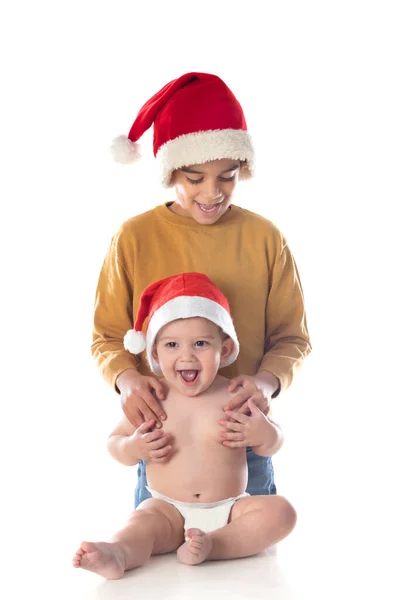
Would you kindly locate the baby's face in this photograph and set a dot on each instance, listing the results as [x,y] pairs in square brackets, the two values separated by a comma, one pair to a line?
[189,352]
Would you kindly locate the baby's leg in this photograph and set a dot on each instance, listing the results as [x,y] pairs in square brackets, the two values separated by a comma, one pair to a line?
[155,527]
[255,523]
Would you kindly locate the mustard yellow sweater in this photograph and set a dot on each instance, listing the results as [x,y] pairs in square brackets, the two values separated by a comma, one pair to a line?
[243,253]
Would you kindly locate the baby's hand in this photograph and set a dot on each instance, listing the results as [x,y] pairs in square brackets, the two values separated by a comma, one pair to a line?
[243,430]
[151,444]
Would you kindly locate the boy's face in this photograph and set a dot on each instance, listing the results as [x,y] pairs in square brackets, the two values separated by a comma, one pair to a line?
[189,352]
[204,191]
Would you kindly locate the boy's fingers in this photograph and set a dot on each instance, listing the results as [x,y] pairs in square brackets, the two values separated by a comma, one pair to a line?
[158,388]
[148,413]
[146,426]
[237,401]
[244,409]
[234,383]
[153,405]
[254,406]
[132,415]
[237,382]
[260,403]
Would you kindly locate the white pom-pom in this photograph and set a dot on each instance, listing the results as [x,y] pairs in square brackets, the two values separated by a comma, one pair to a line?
[124,151]
[134,341]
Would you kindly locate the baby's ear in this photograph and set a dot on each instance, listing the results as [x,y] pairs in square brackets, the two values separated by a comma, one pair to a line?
[154,352]
[228,347]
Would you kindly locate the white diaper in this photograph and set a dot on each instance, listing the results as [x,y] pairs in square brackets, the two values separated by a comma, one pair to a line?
[207,516]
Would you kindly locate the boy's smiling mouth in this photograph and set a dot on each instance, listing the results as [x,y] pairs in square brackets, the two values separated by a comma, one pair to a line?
[209,209]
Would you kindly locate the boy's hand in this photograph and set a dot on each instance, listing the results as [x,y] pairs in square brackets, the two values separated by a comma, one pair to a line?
[151,444]
[138,397]
[243,430]
[250,390]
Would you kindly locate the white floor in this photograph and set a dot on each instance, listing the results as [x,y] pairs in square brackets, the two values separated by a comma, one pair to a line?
[257,577]
[312,563]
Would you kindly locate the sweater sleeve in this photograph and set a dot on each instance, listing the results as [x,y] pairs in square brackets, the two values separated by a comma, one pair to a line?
[287,341]
[113,313]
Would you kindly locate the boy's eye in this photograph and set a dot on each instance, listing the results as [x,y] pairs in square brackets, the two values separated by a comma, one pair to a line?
[228,178]
[200,343]
[171,344]
[223,179]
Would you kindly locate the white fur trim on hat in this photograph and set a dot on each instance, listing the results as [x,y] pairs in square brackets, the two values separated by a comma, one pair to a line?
[186,307]
[134,341]
[203,146]
[124,151]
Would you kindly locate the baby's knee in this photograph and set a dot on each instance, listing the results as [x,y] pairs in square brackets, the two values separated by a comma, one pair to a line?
[150,506]
[147,513]
[285,514]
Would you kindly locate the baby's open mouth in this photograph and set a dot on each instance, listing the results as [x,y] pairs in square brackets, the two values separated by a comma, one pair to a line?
[189,375]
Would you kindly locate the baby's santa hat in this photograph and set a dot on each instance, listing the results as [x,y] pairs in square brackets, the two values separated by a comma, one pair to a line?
[196,119]
[179,297]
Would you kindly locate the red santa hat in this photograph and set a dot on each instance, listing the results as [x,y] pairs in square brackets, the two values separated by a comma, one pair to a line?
[196,119]
[179,297]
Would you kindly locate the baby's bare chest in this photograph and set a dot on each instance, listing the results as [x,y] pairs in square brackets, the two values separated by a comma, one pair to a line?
[191,423]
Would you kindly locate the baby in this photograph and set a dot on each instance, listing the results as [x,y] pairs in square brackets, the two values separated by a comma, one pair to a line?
[196,464]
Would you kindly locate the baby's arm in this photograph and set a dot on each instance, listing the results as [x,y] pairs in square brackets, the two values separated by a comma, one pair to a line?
[273,439]
[120,444]
[129,445]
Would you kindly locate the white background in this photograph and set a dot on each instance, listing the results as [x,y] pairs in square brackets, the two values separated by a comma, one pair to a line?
[319,84]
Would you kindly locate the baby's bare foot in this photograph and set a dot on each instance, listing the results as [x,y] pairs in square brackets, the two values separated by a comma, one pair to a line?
[101,557]
[197,549]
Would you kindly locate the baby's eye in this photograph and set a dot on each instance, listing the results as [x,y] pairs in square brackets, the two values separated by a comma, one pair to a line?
[200,343]
[171,344]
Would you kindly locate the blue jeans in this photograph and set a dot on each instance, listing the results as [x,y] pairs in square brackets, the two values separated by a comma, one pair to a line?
[261,477]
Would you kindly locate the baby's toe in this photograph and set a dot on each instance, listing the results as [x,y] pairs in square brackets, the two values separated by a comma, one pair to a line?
[195,545]
[193,532]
